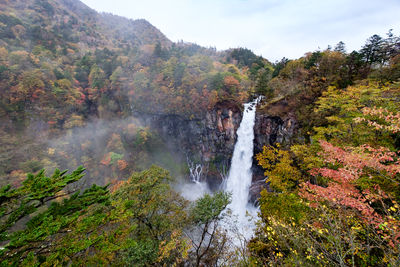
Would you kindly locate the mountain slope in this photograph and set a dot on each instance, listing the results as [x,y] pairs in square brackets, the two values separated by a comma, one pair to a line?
[55,22]
[71,80]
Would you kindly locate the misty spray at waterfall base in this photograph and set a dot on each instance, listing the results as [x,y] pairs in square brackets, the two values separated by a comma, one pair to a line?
[240,219]
[196,189]
[240,215]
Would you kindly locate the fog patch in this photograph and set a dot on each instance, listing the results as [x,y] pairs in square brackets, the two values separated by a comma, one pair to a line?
[193,191]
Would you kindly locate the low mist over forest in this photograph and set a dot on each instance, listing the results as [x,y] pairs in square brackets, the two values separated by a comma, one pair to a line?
[145,129]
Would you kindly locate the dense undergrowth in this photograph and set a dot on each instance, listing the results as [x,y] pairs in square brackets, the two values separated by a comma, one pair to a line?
[72,82]
[334,199]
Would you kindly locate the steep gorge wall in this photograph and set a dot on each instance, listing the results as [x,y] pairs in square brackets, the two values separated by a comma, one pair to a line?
[270,128]
[209,141]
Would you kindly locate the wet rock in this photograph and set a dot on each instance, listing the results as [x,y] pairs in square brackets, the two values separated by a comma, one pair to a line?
[209,141]
[255,190]
[269,130]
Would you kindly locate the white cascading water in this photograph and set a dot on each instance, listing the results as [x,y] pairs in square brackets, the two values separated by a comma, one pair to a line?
[240,175]
[195,171]
[196,189]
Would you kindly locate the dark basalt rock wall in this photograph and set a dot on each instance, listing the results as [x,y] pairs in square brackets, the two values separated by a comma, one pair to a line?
[268,130]
[209,141]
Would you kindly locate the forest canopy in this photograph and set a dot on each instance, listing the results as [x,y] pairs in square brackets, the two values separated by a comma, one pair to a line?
[77,91]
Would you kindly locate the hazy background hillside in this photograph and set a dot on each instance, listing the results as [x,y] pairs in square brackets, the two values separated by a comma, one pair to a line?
[73,81]
[116,96]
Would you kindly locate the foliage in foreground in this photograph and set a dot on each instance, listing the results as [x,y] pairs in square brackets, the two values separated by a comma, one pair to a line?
[138,222]
[337,200]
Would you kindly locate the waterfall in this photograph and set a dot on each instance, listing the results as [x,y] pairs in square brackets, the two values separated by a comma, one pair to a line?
[197,188]
[240,175]
[195,171]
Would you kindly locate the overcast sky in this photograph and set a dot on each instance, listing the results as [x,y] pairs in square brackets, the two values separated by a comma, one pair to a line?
[271,28]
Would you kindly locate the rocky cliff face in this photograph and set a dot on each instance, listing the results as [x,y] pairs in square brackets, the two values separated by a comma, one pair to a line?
[269,129]
[209,141]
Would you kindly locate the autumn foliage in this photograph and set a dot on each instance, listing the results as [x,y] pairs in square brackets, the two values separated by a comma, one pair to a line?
[343,199]
[342,189]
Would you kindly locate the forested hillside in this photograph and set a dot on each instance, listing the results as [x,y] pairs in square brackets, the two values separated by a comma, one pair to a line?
[71,80]
[76,89]
[334,191]
[107,97]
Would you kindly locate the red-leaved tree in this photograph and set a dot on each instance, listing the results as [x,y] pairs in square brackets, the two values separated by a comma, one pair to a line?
[347,166]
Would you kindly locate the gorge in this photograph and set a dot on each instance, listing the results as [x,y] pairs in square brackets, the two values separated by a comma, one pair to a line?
[207,145]
[120,147]
[240,175]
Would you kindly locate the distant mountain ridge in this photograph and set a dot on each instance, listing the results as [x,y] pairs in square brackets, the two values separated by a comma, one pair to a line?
[122,28]
[65,67]
[72,20]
